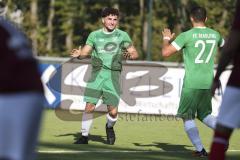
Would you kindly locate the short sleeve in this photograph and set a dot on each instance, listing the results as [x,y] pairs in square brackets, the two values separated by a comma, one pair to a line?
[179,42]
[126,40]
[90,39]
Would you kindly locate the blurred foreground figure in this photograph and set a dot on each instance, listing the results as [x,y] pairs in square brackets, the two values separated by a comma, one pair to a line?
[21,95]
[228,117]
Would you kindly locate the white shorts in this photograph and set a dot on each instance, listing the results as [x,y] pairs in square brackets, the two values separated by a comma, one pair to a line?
[229,114]
[20,116]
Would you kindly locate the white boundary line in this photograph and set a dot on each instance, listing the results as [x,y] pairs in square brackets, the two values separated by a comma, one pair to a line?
[114,151]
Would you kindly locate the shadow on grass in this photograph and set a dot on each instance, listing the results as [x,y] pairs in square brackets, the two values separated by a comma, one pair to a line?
[166,146]
[121,156]
[77,135]
[109,152]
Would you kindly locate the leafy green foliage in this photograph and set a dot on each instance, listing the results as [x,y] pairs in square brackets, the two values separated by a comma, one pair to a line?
[75,19]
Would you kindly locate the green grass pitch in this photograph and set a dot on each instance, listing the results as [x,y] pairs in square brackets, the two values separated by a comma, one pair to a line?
[139,137]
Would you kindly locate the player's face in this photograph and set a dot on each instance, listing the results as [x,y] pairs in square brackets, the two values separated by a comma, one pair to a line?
[110,22]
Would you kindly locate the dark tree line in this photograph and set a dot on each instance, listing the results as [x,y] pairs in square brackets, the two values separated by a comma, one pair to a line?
[57,26]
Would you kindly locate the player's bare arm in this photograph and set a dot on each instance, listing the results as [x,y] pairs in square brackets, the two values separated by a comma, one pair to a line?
[167,48]
[131,53]
[85,51]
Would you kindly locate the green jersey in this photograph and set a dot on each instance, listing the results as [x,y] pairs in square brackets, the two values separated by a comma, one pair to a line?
[199,46]
[108,48]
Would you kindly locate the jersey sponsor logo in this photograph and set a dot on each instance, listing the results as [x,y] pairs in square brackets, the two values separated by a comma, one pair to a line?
[110,46]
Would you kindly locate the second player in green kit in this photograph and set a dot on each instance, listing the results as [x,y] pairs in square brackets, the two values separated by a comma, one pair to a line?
[199,46]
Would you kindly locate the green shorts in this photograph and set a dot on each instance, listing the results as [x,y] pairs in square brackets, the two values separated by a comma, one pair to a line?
[103,84]
[195,102]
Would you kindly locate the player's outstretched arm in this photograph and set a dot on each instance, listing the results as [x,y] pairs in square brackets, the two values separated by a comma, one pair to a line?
[167,48]
[131,53]
[81,52]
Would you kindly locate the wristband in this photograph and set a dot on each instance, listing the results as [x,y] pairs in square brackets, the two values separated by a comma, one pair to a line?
[166,38]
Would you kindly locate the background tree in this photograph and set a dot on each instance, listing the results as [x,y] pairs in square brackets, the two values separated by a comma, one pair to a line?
[57,26]
[50,26]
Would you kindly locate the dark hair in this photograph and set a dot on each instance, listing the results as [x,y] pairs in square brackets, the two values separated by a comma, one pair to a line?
[109,11]
[199,14]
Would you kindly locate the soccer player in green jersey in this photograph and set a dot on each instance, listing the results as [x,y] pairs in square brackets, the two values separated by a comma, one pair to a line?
[107,46]
[199,46]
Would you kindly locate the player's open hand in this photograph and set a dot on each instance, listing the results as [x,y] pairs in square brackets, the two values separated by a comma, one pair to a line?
[167,34]
[76,52]
[126,55]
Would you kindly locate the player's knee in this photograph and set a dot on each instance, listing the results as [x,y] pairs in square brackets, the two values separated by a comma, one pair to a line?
[113,113]
[89,108]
